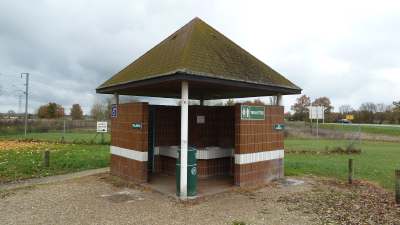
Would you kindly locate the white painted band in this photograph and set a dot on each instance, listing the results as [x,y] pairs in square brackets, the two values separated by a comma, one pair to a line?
[258,156]
[129,153]
[202,153]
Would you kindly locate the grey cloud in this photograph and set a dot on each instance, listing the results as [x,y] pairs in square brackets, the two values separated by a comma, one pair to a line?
[70,47]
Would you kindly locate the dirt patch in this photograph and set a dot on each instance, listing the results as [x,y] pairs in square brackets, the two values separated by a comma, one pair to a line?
[127,195]
[338,203]
[103,199]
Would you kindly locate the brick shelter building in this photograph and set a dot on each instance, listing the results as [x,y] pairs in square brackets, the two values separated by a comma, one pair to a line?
[244,141]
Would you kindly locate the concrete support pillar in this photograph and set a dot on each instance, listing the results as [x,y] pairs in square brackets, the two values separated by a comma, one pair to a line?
[184,137]
[116,99]
[279,100]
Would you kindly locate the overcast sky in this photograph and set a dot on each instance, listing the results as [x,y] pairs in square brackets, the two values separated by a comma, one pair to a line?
[346,50]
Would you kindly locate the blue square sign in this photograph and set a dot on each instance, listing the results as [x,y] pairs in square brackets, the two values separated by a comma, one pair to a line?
[114,111]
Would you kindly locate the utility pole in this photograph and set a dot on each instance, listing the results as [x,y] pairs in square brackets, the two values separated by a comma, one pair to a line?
[26,98]
[19,103]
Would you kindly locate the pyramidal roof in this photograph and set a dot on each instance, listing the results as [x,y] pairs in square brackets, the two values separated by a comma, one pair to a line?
[197,49]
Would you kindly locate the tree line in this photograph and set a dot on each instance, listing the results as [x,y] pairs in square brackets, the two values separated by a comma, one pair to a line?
[52,110]
[368,112]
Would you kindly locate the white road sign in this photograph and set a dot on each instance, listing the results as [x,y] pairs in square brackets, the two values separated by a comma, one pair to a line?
[316,112]
[101,127]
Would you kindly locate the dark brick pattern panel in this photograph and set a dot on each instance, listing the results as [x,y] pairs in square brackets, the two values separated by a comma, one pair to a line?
[124,136]
[218,129]
[122,133]
[129,169]
[258,173]
[258,135]
[252,136]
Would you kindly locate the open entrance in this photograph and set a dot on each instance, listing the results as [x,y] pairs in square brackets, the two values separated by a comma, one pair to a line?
[211,133]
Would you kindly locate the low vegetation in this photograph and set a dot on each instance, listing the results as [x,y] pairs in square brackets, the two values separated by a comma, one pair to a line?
[60,137]
[21,160]
[377,161]
[370,129]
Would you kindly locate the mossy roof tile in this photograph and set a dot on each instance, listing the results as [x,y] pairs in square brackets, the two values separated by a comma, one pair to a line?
[198,49]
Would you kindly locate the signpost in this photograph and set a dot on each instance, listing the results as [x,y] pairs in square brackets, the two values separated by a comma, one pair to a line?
[317,112]
[101,128]
[252,112]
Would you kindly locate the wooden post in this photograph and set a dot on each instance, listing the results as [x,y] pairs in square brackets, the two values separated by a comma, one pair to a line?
[46,158]
[397,173]
[351,171]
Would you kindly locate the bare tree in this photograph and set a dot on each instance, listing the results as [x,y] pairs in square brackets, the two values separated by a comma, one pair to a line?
[345,109]
[76,112]
[300,108]
[11,113]
[324,101]
[367,112]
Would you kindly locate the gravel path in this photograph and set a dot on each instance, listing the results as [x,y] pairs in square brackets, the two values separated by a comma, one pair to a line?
[95,200]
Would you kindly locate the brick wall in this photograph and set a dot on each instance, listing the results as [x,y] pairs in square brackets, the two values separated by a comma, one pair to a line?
[218,129]
[258,147]
[129,158]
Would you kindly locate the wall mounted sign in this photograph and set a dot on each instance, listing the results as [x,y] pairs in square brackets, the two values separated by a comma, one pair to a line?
[201,119]
[101,127]
[136,125]
[279,126]
[114,111]
[252,112]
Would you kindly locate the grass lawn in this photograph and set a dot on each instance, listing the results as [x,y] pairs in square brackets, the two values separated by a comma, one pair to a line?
[371,129]
[376,163]
[75,137]
[21,160]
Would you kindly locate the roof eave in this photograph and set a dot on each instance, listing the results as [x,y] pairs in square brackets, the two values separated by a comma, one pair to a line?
[190,77]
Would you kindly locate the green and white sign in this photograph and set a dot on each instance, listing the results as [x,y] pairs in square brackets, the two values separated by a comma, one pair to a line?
[279,126]
[136,125]
[252,112]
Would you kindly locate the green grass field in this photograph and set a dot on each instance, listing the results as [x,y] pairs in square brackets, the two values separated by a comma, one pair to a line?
[371,129]
[26,161]
[376,163]
[75,137]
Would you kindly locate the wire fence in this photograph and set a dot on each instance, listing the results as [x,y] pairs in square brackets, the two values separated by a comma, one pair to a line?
[54,130]
[342,137]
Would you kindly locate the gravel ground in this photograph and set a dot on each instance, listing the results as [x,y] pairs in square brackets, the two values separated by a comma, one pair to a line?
[97,200]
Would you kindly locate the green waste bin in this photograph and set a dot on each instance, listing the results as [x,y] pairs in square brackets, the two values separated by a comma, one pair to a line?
[191,173]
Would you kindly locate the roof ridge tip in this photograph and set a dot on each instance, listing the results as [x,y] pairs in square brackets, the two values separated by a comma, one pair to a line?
[197,19]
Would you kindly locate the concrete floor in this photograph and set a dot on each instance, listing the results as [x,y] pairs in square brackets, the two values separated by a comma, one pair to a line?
[166,184]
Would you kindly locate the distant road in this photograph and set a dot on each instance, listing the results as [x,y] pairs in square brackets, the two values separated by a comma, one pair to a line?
[367,124]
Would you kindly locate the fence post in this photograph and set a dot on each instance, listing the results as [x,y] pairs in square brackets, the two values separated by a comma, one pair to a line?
[351,171]
[46,158]
[397,174]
